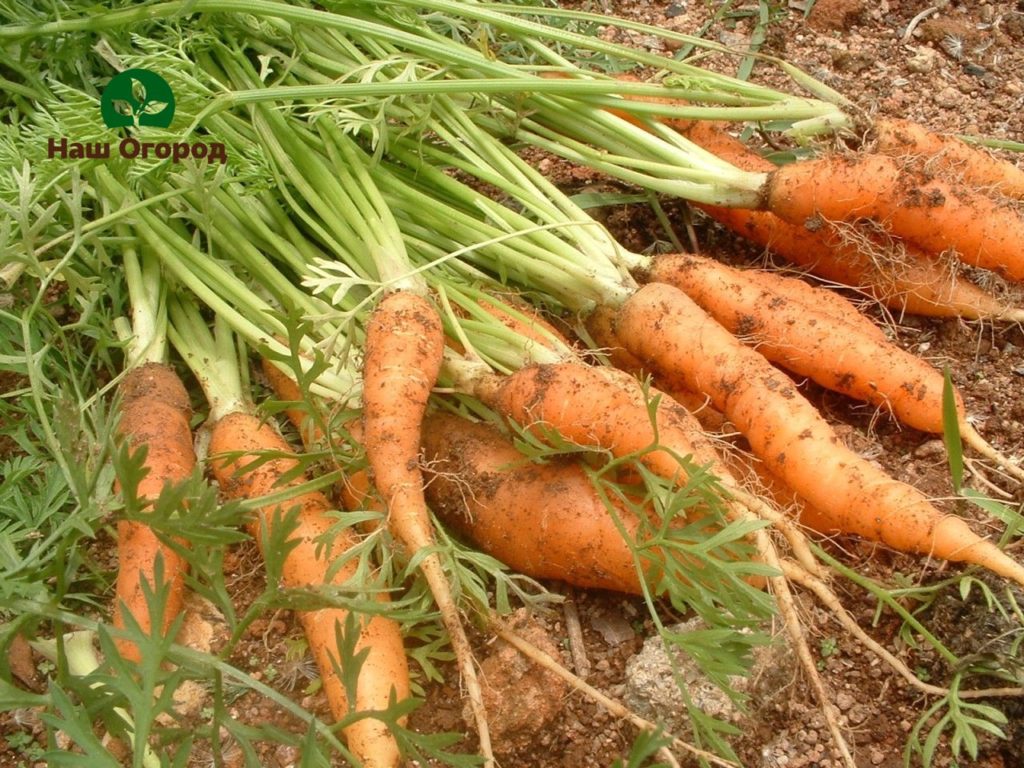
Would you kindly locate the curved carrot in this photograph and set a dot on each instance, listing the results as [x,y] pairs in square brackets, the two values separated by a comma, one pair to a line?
[481,486]
[600,324]
[403,354]
[975,167]
[835,354]
[545,397]
[661,324]
[155,413]
[925,211]
[384,672]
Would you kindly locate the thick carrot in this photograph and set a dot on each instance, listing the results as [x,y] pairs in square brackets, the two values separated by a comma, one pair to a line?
[481,486]
[384,672]
[661,324]
[898,274]
[607,408]
[600,326]
[974,167]
[616,418]
[402,359]
[155,413]
[928,212]
[836,354]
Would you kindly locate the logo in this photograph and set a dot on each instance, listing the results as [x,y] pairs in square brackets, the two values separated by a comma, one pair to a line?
[137,97]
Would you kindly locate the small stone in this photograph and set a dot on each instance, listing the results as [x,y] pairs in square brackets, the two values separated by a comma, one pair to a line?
[929,450]
[876,756]
[613,627]
[948,97]
[923,61]
[287,756]
[845,700]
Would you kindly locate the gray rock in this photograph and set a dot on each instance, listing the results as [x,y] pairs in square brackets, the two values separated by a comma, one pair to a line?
[651,689]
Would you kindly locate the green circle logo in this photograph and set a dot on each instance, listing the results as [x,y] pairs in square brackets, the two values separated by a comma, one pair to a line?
[137,97]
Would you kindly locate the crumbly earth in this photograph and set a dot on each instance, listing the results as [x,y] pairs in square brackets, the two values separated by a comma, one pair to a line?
[959,69]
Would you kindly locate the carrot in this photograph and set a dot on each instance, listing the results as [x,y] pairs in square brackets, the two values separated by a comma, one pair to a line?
[402,358]
[155,413]
[837,355]
[481,486]
[607,408]
[286,389]
[832,352]
[661,324]
[755,474]
[776,290]
[384,673]
[928,212]
[898,274]
[355,488]
[600,326]
[617,417]
[975,167]
[520,316]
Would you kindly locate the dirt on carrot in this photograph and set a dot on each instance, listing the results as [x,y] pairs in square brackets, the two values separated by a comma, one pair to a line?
[155,413]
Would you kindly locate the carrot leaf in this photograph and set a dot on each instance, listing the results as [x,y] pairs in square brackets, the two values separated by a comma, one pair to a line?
[951,431]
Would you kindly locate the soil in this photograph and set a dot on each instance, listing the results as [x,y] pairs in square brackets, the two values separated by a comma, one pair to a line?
[960,69]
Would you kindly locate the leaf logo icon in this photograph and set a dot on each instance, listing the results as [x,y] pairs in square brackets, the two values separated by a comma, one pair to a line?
[137,97]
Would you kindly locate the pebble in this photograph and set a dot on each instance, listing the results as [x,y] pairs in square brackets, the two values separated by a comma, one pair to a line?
[930,449]
[845,700]
[613,627]
[923,61]
[948,97]
[287,756]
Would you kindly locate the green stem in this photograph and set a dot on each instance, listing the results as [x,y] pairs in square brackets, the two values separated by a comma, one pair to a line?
[148,343]
[212,357]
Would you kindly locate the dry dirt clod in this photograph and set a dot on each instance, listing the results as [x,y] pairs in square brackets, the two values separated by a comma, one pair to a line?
[521,698]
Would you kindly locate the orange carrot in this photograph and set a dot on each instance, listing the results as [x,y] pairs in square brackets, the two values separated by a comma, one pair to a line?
[481,486]
[600,325]
[661,324]
[774,289]
[355,489]
[928,212]
[898,274]
[384,673]
[155,413]
[834,353]
[973,166]
[534,327]
[617,418]
[403,353]
[286,389]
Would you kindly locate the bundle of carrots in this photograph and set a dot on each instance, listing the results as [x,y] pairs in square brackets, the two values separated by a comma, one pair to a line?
[404,266]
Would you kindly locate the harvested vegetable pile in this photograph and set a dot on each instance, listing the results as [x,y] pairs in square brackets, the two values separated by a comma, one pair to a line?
[336,214]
